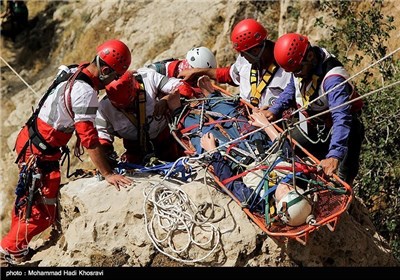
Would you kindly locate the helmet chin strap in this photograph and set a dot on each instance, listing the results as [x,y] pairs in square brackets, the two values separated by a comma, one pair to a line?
[102,77]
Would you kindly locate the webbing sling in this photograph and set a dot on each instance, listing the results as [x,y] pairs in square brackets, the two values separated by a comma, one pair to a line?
[312,92]
[131,117]
[256,90]
[307,94]
[316,80]
[141,121]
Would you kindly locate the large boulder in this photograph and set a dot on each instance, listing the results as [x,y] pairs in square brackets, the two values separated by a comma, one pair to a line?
[157,222]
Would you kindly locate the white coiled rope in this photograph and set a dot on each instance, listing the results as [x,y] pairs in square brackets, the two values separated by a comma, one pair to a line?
[172,218]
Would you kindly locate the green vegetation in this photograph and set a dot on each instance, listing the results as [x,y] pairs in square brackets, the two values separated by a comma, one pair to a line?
[365,34]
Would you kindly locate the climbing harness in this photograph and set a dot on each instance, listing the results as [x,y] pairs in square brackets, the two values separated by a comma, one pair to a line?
[258,88]
[35,137]
[139,120]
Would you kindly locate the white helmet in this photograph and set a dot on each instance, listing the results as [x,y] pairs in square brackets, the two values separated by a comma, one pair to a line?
[297,213]
[201,57]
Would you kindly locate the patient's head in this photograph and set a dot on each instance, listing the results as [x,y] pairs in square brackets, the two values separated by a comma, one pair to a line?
[291,206]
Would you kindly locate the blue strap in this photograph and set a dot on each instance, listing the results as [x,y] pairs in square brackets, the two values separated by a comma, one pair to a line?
[161,168]
[21,185]
[21,188]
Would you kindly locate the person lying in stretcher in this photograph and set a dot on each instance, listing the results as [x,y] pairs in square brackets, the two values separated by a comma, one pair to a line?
[212,133]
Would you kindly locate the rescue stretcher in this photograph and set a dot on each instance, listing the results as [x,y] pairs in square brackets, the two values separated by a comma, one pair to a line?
[329,197]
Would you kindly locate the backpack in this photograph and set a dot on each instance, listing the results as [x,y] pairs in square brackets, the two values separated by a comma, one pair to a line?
[35,137]
[160,66]
[19,8]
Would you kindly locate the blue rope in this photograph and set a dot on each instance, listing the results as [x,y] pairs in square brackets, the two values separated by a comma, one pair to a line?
[163,169]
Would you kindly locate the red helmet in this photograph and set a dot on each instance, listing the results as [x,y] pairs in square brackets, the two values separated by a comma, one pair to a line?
[246,34]
[116,54]
[122,92]
[290,50]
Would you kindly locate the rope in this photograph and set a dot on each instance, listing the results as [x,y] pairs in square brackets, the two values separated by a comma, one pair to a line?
[319,134]
[15,72]
[297,123]
[348,102]
[176,217]
[211,98]
[175,122]
[201,121]
[345,81]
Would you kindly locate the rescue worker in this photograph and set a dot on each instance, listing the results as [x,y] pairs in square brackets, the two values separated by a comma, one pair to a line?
[336,137]
[197,57]
[14,19]
[69,105]
[255,72]
[134,110]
